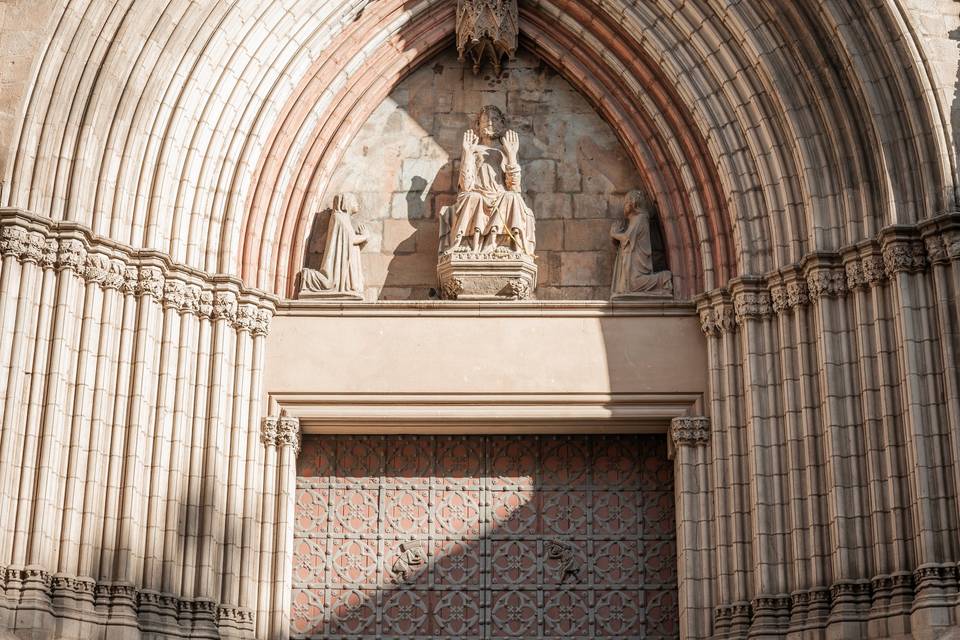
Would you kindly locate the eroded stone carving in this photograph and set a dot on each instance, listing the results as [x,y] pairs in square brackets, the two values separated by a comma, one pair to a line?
[487,238]
[567,564]
[411,559]
[340,274]
[490,209]
[487,29]
[633,274]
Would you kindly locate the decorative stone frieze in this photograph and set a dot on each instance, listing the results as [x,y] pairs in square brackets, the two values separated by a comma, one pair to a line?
[690,430]
[115,267]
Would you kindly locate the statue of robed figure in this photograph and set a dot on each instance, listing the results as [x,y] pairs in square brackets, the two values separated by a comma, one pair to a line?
[340,273]
[633,274]
[490,210]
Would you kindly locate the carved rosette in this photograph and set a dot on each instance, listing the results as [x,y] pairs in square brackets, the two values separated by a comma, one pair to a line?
[690,431]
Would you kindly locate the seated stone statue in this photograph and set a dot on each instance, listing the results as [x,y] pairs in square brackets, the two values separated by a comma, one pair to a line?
[489,210]
[633,274]
[340,273]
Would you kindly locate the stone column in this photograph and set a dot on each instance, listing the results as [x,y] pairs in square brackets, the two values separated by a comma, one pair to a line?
[689,447]
[281,438]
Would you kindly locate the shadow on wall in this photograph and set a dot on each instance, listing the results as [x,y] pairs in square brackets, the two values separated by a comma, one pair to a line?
[410,243]
[479,537]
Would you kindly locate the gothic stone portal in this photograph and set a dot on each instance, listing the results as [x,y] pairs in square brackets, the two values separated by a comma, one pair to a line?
[484,537]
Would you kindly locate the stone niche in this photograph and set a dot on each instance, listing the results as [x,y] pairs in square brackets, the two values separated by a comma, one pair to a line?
[404,162]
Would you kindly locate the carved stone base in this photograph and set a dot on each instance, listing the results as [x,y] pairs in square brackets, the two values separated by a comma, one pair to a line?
[502,275]
[653,286]
[328,295]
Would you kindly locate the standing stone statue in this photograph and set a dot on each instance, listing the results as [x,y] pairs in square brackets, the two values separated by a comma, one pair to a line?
[340,274]
[490,210]
[633,274]
[487,237]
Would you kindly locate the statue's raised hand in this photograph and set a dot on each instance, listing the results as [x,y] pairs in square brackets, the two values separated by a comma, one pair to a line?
[470,140]
[511,144]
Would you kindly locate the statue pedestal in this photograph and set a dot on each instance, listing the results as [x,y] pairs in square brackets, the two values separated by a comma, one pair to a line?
[655,285]
[501,275]
[328,295]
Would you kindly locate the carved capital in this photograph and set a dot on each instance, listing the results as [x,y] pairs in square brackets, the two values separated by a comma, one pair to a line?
[174,294]
[36,248]
[865,271]
[246,317]
[288,433]
[690,430]
[225,305]
[191,299]
[206,303]
[131,276]
[96,268]
[115,275]
[826,282]
[752,305]
[261,326]
[904,256]
[282,431]
[72,255]
[717,319]
[13,241]
[150,282]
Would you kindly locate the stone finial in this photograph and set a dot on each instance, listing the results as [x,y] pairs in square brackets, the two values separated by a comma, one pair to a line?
[487,29]
[690,430]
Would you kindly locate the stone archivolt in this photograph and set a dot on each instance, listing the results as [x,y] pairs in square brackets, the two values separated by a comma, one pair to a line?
[869,304]
[825,503]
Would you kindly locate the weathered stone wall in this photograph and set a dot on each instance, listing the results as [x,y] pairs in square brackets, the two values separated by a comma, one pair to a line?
[404,165]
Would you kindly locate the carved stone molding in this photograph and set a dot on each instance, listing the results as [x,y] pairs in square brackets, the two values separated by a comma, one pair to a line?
[111,266]
[690,431]
[127,604]
[281,431]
